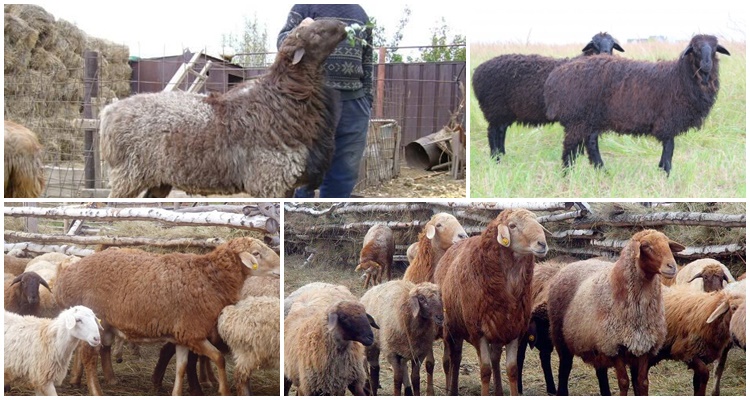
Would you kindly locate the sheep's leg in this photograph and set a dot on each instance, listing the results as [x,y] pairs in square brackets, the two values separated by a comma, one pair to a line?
[77,369]
[640,380]
[566,365]
[355,387]
[496,351]
[181,358]
[165,355]
[601,376]
[398,373]
[666,155]
[47,390]
[405,379]
[511,366]
[243,386]
[622,376]
[570,145]
[485,365]
[545,357]
[373,360]
[90,358]
[700,376]
[415,366]
[719,370]
[206,372]
[523,342]
[158,191]
[592,147]
[207,349]
[429,367]
[287,385]
[107,370]
[452,363]
[496,138]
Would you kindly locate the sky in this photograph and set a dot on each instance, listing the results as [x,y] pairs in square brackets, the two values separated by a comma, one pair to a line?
[576,21]
[159,28]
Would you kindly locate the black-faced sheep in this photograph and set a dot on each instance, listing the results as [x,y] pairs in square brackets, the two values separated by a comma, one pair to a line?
[263,138]
[324,337]
[24,170]
[441,232]
[485,284]
[706,275]
[596,94]
[409,317]
[251,329]
[175,297]
[376,257]
[613,314]
[22,293]
[698,329]
[37,351]
[510,88]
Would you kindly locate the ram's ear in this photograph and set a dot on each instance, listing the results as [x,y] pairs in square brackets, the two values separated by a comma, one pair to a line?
[687,51]
[619,48]
[589,47]
[249,260]
[503,235]
[429,231]
[70,321]
[414,306]
[721,49]
[372,322]
[298,56]
[718,312]
[333,320]
[675,247]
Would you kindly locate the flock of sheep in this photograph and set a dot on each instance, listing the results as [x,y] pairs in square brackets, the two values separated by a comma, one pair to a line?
[597,92]
[200,305]
[490,290]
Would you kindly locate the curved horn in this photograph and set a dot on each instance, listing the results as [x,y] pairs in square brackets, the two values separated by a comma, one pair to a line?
[698,275]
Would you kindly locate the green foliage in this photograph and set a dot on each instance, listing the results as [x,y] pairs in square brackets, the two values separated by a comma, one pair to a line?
[708,163]
[379,37]
[442,49]
[252,40]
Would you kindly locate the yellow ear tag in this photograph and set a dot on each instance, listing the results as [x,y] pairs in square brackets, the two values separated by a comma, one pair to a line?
[255,266]
[531,337]
[505,242]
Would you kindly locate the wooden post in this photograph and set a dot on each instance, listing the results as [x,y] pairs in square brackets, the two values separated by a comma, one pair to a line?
[380,89]
[90,90]
[31,223]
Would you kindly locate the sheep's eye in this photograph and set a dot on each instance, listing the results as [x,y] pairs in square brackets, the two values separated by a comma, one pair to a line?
[78,320]
[256,253]
[512,226]
[438,225]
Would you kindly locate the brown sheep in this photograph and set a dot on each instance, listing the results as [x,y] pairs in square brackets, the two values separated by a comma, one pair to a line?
[179,297]
[440,233]
[409,317]
[697,329]
[376,257]
[705,274]
[485,284]
[736,329]
[24,171]
[14,265]
[22,293]
[612,314]
[324,337]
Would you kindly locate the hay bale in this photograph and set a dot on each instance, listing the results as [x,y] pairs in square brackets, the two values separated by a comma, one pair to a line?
[19,40]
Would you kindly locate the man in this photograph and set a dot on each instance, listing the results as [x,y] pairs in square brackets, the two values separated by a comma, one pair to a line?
[348,70]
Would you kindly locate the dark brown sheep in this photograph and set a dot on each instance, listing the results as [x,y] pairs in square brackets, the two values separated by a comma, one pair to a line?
[510,88]
[376,257]
[146,296]
[613,314]
[22,293]
[264,138]
[485,284]
[592,95]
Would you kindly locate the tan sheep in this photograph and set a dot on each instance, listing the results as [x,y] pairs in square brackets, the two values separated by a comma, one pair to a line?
[14,265]
[376,257]
[324,337]
[409,317]
[251,330]
[736,329]
[705,274]
[613,315]
[440,233]
[485,284]
[24,171]
[261,286]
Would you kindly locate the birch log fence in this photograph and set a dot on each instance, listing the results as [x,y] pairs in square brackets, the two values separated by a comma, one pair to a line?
[574,228]
[261,217]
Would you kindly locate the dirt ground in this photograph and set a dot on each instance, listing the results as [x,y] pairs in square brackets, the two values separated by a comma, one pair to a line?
[134,379]
[667,378]
[418,184]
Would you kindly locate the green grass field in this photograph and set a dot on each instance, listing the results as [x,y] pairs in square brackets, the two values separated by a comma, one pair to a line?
[707,163]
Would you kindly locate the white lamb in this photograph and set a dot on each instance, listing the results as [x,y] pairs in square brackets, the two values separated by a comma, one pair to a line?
[38,350]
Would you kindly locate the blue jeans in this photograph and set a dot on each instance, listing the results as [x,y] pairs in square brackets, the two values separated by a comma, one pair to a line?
[351,139]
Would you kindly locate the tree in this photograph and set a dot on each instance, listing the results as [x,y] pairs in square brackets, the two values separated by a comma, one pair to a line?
[441,49]
[249,46]
[379,39]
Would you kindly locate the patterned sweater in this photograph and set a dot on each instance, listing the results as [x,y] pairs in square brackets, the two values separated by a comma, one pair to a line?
[348,68]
